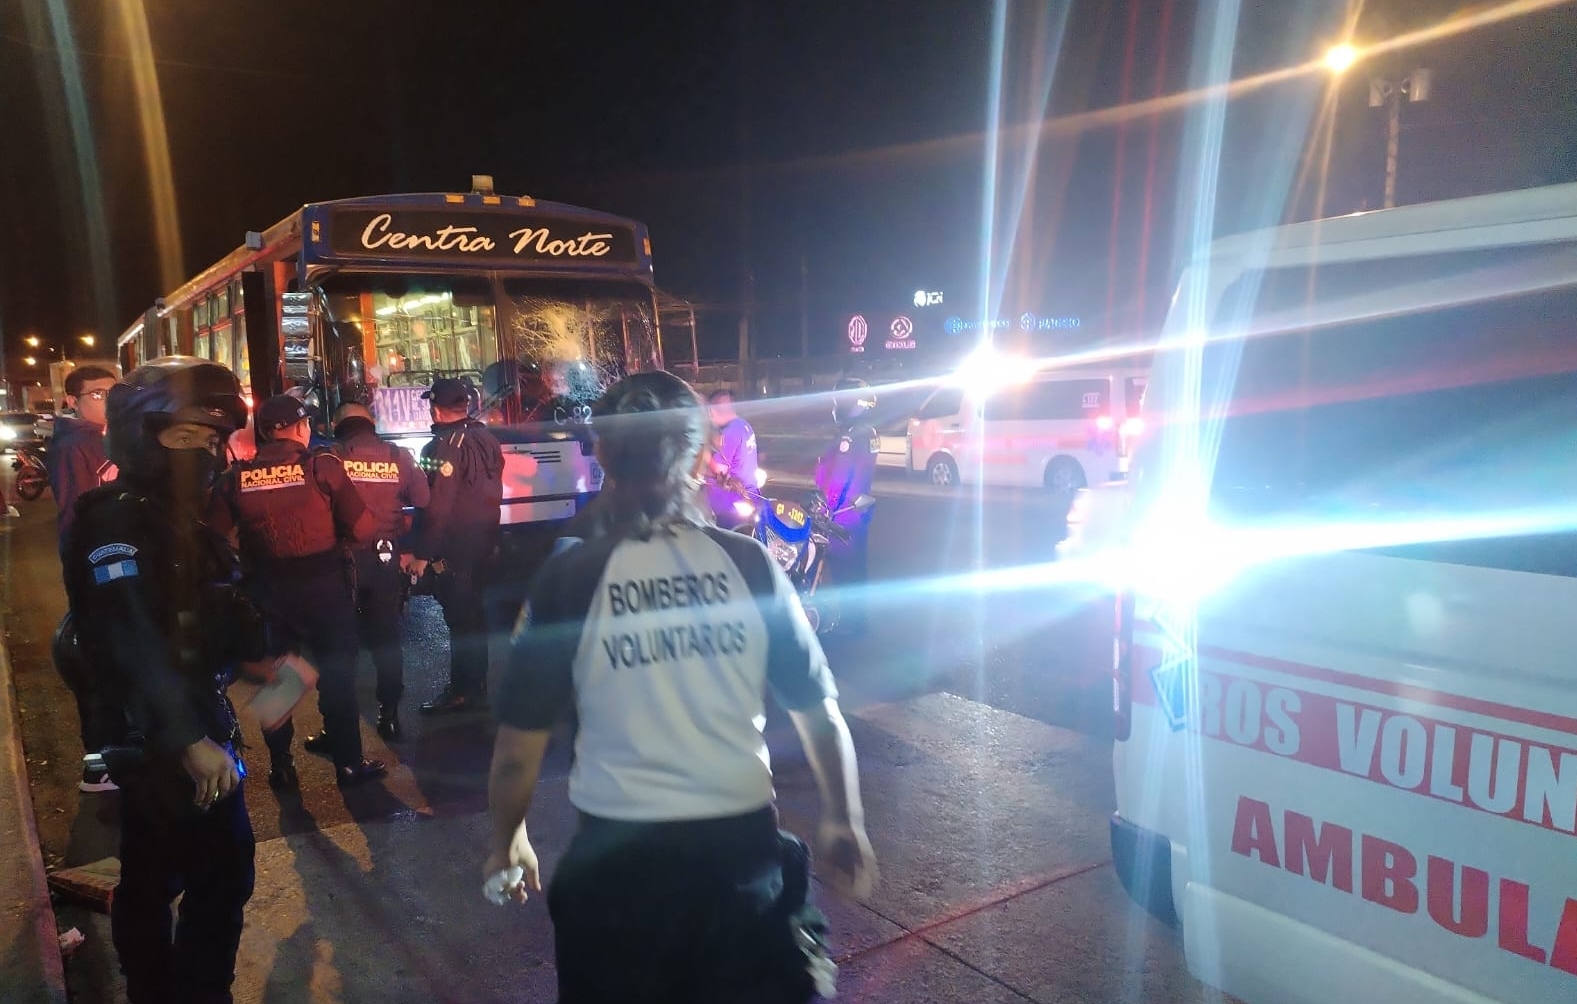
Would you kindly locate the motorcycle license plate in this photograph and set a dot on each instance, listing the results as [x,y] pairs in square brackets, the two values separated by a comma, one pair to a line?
[790,514]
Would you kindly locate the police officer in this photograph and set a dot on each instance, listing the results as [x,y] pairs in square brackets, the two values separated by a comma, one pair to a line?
[294,512]
[161,625]
[457,535]
[845,472]
[388,480]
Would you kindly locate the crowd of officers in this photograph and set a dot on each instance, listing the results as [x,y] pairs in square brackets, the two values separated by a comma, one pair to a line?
[186,567]
[183,569]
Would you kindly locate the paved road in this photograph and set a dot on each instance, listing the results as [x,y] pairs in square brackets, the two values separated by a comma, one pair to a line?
[979,708]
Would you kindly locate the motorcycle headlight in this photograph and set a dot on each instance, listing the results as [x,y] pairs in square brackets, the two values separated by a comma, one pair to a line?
[782,552]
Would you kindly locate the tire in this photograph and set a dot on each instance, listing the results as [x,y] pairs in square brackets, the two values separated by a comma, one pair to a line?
[941,471]
[30,485]
[813,616]
[1064,476]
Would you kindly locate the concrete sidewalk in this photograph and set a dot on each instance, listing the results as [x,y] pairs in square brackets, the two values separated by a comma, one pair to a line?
[30,964]
[989,827]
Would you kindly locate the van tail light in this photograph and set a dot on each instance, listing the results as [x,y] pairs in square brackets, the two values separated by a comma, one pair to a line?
[1122,666]
[1104,423]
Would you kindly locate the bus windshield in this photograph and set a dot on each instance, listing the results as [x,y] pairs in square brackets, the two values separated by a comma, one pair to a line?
[570,340]
[537,350]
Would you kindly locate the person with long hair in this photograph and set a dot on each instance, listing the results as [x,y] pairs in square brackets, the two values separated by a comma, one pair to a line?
[663,633]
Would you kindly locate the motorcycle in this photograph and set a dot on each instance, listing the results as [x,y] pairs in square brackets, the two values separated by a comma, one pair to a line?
[796,537]
[32,477]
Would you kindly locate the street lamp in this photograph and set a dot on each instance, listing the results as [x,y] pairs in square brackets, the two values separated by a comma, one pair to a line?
[32,341]
[1388,92]
[1384,91]
[87,340]
[1341,57]
[29,360]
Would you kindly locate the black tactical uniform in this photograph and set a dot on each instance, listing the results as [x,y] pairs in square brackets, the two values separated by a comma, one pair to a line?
[295,512]
[161,626]
[458,534]
[846,471]
[388,480]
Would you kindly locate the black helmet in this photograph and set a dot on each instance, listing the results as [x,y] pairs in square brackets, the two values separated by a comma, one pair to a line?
[166,392]
[852,399]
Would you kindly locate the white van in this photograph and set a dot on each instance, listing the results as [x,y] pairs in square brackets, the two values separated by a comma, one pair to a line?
[1062,429]
[1345,676]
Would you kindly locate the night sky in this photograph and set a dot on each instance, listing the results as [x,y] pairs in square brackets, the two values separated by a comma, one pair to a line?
[751,138]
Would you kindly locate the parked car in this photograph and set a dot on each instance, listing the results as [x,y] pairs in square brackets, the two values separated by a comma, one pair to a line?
[17,428]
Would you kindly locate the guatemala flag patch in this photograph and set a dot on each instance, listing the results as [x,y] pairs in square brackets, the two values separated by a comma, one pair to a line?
[119,570]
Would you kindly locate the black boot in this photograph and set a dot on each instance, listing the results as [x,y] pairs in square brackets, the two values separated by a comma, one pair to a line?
[389,722]
[367,770]
[282,774]
[319,744]
[451,702]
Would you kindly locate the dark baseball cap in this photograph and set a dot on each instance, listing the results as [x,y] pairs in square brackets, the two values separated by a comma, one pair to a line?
[281,411]
[449,392]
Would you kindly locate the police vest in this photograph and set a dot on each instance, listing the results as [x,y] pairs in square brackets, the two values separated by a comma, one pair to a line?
[373,466]
[282,512]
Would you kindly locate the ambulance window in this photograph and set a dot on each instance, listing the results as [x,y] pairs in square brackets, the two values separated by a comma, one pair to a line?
[945,403]
[1051,400]
[1442,387]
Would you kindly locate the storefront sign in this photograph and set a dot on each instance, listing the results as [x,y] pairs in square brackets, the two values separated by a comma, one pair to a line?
[894,334]
[858,332]
[1027,321]
[902,330]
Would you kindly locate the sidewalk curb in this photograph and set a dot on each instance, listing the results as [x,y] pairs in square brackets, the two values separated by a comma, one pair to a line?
[31,969]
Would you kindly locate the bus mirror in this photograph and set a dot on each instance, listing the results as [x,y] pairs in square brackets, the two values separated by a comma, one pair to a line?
[298,314]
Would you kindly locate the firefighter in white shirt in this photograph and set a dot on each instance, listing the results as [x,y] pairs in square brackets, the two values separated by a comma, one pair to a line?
[663,634]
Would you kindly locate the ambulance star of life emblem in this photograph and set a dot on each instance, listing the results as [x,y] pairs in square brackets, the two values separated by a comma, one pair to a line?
[1171,692]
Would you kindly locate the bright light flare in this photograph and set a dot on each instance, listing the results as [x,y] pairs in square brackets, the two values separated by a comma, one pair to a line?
[744,509]
[1340,58]
[32,341]
[1104,423]
[29,360]
[986,371]
[761,477]
[1133,426]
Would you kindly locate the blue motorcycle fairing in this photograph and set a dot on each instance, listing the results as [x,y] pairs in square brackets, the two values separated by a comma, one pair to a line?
[780,519]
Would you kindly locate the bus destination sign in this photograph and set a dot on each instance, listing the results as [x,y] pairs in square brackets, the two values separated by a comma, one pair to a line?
[472,236]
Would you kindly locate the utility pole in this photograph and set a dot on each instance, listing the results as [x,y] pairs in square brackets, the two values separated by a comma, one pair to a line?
[804,309]
[1389,92]
[746,309]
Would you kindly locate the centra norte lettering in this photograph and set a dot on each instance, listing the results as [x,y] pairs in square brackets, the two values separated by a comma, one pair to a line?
[666,592]
[268,477]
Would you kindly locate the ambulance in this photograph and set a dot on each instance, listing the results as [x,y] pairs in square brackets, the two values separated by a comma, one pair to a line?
[1015,423]
[1345,676]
